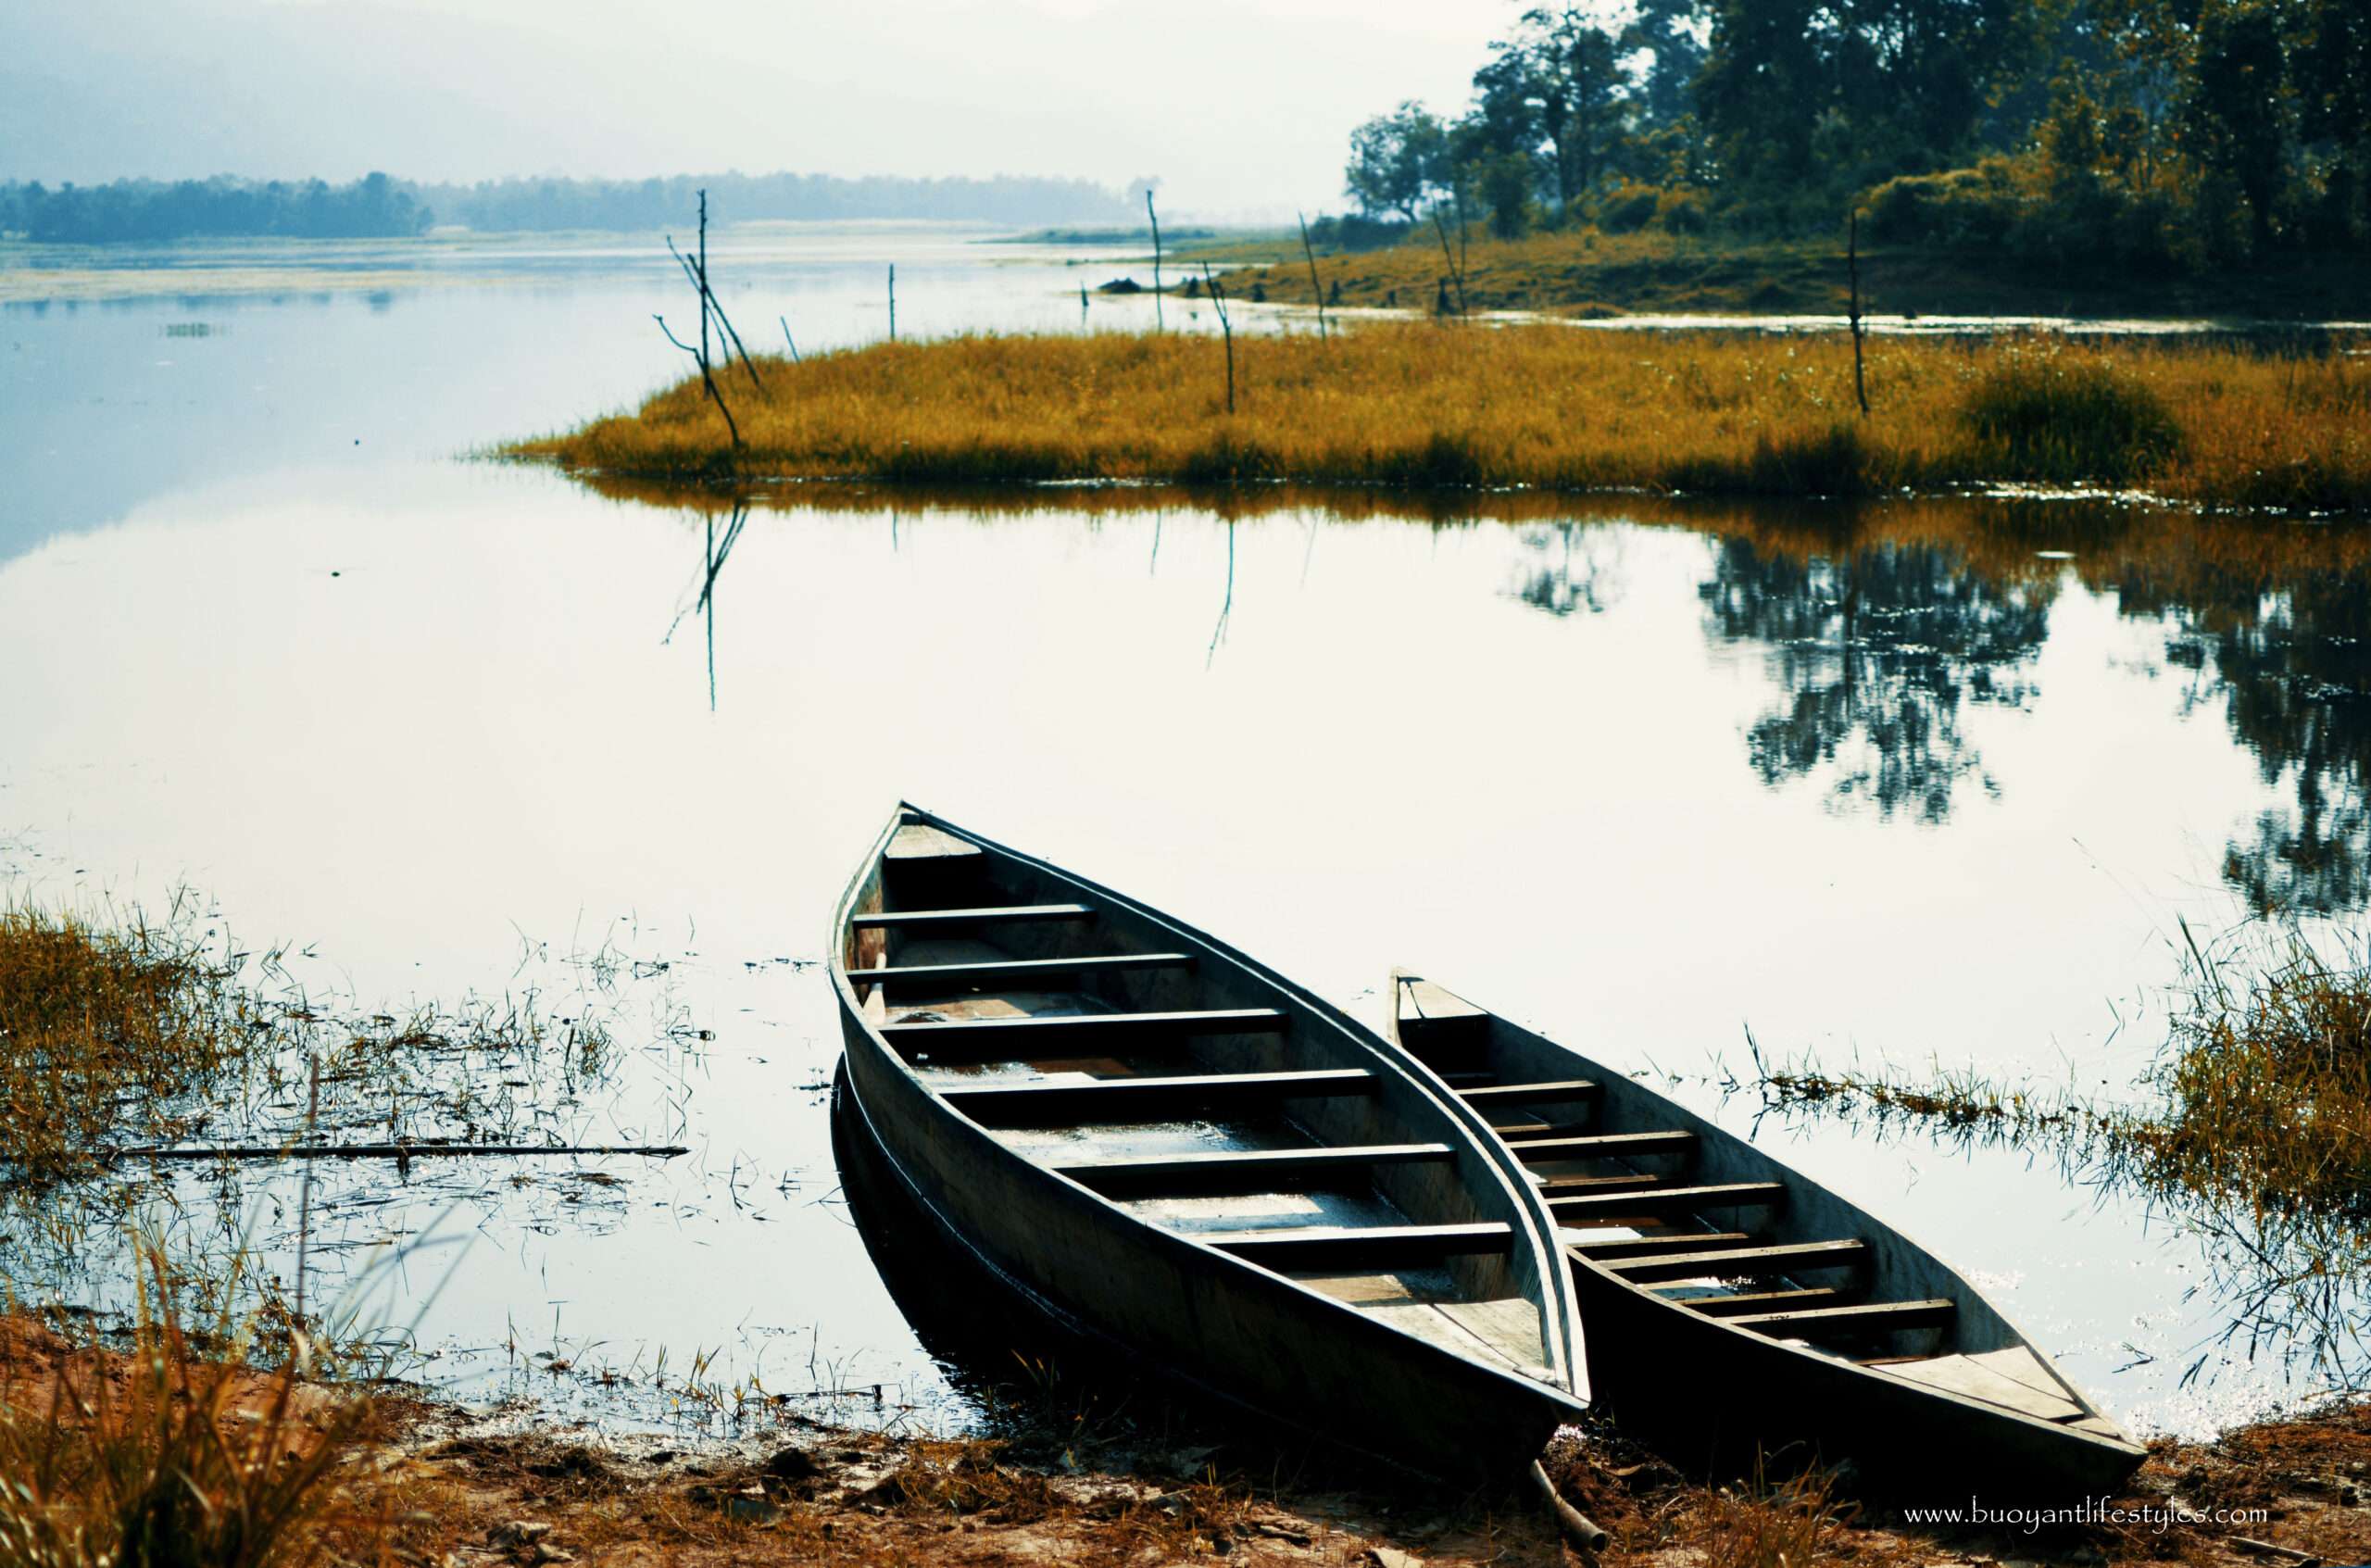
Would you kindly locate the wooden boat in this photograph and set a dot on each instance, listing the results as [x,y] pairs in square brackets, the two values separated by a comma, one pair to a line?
[1737,1310]
[1172,1149]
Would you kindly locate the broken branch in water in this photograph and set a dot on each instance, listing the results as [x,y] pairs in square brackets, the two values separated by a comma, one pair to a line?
[392,1150]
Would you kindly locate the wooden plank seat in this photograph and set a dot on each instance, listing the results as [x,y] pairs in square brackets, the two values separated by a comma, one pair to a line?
[1002,1039]
[1784,1257]
[1629,1180]
[1347,1247]
[1764,1301]
[1821,1323]
[1003,914]
[1657,1200]
[1246,1169]
[1605,1145]
[1078,1102]
[1483,1096]
[1017,974]
[1527,1132]
[1609,1249]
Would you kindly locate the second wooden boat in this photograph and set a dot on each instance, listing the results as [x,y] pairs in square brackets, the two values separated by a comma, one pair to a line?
[1172,1149]
[1737,1310]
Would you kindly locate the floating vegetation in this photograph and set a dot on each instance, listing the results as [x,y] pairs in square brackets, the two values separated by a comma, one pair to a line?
[1409,405]
[2252,1128]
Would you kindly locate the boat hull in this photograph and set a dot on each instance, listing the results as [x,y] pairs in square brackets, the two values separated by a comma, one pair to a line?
[1196,1314]
[1717,1402]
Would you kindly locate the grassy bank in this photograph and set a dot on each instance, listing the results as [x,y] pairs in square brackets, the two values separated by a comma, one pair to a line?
[155,1454]
[1586,274]
[1412,405]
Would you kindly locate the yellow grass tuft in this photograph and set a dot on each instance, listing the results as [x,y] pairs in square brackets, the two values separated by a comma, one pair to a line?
[1413,405]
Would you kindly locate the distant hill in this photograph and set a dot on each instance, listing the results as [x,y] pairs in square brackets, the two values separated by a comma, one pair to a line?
[380,207]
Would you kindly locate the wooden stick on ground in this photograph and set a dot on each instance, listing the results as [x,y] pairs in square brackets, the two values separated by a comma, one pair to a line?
[1577,1528]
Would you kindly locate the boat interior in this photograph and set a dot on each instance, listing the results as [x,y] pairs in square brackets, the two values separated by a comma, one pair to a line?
[1092,1037]
[1650,1196]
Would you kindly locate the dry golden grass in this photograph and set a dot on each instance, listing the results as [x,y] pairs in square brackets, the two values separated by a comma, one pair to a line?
[161,1456]
[1413,405]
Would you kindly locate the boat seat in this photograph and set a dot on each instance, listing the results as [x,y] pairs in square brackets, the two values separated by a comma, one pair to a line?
[1027,974]
[1662,1200]
[1822,1323]
[1603,1146]
[1608,1249]
[1737,1262]
[1484,1096]
[1362,1246]
[1004,1039]
[1081,1101]
[1242,1169]
[1758,1301]
[1000,914]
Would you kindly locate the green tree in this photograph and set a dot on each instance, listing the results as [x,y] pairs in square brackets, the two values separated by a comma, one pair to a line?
[2235,114]
[1398,160]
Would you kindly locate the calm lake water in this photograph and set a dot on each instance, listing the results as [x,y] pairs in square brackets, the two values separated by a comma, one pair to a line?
[1919,784]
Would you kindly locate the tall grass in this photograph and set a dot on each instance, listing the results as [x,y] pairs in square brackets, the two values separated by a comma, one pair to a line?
[164,1456]
[1411,405]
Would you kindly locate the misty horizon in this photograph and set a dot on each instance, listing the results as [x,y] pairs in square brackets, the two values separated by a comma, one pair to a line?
[1242,114]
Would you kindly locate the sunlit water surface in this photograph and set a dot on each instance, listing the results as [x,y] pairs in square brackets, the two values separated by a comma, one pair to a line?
[1646,779]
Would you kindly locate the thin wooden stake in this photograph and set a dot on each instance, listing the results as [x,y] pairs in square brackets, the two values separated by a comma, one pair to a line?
[1160,324]
[1852,263]
[788,339]
[892,302]
[1226,327]
[1316,290]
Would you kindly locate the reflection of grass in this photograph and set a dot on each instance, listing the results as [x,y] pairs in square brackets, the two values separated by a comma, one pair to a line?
[2255,1131]
[1404,405]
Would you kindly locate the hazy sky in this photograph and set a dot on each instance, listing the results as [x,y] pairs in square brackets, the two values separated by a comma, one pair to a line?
[1238,105]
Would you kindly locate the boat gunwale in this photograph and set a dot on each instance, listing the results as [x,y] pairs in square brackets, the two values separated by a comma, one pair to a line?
[1883,1234]
[1565,1364]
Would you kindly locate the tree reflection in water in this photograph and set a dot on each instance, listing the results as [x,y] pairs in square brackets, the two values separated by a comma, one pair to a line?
[1564,582]
[1878,647]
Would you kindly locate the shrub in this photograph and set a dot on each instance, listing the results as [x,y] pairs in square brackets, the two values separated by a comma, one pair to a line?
[1681,212]
[1628,208]
[1958,206]
[2056,416]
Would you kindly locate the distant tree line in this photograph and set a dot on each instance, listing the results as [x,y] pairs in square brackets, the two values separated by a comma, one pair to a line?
[2168,132]
[378,207]
[657,204]
[371,208]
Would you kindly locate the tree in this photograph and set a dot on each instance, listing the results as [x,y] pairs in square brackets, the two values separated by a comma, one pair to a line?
[1670,33]
[1397,161]
[1554,92]
[2234,118]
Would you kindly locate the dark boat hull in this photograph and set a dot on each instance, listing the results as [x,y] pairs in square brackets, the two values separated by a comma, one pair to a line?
[1203,1318]
[1717,1402]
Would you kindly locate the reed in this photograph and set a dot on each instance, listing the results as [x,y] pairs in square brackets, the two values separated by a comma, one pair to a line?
[1412,405]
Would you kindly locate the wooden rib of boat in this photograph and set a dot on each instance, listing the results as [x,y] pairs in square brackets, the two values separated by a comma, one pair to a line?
[1735,1308]
[1172,1149]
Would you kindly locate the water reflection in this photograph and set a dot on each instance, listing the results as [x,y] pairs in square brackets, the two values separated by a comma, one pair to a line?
[1877,648]
[1563,581]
